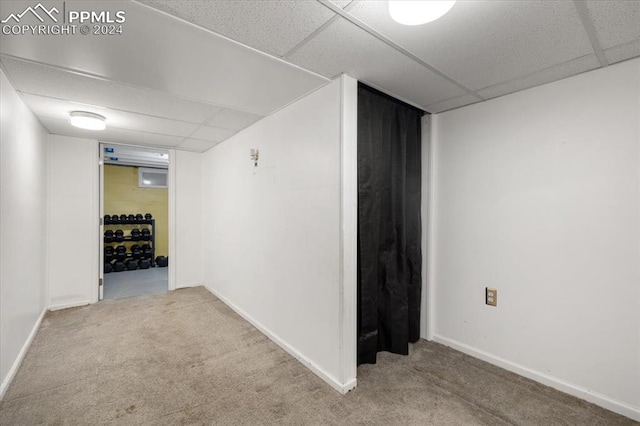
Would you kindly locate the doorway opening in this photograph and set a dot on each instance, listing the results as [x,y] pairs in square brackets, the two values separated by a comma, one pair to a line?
[389,224]
[135,225]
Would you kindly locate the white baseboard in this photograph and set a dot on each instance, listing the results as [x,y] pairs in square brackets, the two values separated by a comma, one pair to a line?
[342,388]
[16,364]
[350,385]
[67,305]
[198,284]
[575,390]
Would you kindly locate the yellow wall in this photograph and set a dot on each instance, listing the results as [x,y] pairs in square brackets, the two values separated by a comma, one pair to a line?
[122,195]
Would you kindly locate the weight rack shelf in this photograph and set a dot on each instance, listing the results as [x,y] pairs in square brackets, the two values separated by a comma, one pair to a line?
[129,239]
[145,222]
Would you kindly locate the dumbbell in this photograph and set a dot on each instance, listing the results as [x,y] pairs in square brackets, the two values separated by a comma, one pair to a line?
[108,236]
[118,236]
[162,261]
[107,219]
[146,251]
[124,219]
[148,217]
[121,253]
[139,218]
[108,253]
[131,264]
[135,235]
[131,218]
[145,234]
[115,219]
[144,264]
[136,251]
[119,266]
[107,267]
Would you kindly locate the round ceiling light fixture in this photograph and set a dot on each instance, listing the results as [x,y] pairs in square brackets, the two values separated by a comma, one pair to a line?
[87,120]
[418,12]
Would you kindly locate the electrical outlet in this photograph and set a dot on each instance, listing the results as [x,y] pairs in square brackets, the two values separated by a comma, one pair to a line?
[491,296]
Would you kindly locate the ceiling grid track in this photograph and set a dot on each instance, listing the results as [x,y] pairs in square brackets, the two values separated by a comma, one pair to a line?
[317,31]
[534,73]
[311,36]
[201,125]
[590,29]
[355,21]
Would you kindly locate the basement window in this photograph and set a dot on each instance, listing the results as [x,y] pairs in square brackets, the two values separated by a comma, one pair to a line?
[152,178]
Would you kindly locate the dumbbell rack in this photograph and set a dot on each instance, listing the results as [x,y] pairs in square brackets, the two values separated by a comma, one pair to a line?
[152,242]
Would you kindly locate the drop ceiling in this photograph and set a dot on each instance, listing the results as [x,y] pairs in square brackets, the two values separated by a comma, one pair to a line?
[190,74]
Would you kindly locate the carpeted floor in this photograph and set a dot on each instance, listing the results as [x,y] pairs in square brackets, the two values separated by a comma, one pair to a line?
[185,358]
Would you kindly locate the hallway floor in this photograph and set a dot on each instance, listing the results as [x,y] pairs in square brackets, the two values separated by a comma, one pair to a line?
[118,285]
[184,357]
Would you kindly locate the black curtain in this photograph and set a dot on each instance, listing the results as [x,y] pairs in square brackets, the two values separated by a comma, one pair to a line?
[389,253]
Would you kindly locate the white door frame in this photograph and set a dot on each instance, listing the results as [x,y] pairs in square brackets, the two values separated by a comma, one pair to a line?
[427,309]
[100,221]
[171,180]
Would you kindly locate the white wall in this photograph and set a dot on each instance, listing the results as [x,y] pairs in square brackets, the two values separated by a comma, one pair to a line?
[273,241]
[23,207]
[73,239]
[187,168]
[538,195]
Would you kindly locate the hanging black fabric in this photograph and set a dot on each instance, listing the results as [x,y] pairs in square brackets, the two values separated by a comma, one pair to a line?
[389,252]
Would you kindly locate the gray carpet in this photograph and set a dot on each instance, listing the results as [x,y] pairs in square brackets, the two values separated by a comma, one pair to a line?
[118,285]
[185,358]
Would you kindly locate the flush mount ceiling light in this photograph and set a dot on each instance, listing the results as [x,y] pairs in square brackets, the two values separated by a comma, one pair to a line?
[418,12]
[87,120]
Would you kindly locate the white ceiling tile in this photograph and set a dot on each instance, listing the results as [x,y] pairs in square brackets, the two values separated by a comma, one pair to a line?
[616,22]
[233,119]
[343,47]
[159,52]
[272,26]
[45,107]
[623,52]
[196,145]
[47,81]
[213,134]
[548,75]
[62,127]
[451,104]
[483,43]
